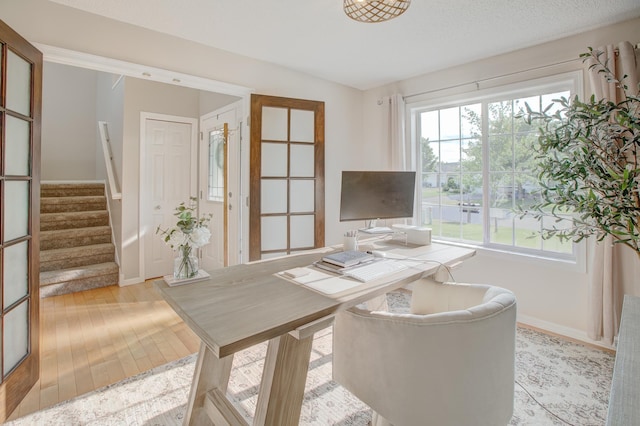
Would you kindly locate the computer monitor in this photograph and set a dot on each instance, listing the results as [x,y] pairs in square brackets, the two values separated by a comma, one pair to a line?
[369,195]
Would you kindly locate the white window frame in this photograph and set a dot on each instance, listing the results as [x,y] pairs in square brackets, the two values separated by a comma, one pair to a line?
[572,81]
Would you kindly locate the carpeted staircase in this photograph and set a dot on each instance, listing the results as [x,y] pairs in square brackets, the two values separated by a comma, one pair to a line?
[76,252]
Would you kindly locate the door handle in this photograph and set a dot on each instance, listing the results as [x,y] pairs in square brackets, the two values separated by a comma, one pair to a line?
[158,207]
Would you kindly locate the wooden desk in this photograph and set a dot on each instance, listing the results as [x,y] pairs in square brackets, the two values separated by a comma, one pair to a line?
[243,305]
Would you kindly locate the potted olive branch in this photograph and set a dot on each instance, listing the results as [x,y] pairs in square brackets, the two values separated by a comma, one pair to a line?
[587,158]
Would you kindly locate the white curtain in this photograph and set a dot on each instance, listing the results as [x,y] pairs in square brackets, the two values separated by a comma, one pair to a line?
[400,153]
[614,266]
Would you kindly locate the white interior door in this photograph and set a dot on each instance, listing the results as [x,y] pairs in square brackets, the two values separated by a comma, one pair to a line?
[217,188]
[169,178]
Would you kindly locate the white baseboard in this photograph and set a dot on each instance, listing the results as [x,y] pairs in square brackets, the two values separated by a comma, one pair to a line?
[130,281]
[563,331]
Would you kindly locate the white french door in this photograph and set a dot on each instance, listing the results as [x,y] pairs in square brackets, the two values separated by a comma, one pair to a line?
[169,165]
[219,184]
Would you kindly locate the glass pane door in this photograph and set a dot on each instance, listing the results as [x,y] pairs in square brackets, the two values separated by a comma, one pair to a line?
[16,181]
[20,108]
[287,176]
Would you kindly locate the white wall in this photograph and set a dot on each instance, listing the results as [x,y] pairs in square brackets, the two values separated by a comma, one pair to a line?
[110,108]
[550,295]
[68,123]
[212,101]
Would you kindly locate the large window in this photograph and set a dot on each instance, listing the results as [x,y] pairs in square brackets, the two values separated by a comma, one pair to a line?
[478,167]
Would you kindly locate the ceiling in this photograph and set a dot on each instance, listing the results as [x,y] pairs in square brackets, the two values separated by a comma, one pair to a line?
[317,38]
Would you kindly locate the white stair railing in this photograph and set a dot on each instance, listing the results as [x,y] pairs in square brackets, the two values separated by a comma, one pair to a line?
[108,160]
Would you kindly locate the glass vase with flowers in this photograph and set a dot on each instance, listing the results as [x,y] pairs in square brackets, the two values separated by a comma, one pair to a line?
[191,232]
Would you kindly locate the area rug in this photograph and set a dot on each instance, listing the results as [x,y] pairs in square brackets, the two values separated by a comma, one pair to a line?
[558,382]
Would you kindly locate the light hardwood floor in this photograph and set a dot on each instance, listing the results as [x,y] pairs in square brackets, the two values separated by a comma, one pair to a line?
[97,337]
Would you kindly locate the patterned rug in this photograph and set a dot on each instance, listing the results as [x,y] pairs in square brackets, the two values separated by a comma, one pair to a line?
[558,382]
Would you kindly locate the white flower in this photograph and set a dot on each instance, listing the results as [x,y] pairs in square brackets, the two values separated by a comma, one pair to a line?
[176,239]
[200,236]
[190,231]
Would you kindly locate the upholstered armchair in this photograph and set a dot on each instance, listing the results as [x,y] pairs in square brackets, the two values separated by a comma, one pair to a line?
[449,362]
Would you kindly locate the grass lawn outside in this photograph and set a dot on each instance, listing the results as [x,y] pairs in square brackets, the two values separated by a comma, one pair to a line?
[471,232]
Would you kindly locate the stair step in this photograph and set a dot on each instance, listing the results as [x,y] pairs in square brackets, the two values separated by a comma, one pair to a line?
[69,280]
[76,249]
[71,189]
[68,220]
[73,204]
[66,238]
[71,257]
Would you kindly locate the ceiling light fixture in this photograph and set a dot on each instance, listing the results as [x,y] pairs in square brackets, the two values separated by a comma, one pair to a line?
[374,10]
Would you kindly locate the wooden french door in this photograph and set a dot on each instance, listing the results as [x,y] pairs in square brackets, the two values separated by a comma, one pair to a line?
[286,212]
[20,114]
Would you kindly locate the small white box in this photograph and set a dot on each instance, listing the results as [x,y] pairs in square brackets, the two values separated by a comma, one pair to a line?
[420,236]
[415,234]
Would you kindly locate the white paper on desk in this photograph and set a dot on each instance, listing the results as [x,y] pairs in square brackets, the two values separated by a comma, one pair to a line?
[324,282]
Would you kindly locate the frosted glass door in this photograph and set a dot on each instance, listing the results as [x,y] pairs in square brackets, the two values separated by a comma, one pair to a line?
[20,110]
[287,176]
[15,216]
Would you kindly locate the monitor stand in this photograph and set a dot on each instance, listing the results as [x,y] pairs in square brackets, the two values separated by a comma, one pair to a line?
[377,230]
[371,228]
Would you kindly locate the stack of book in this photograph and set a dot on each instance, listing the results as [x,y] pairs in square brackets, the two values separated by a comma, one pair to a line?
[343,260]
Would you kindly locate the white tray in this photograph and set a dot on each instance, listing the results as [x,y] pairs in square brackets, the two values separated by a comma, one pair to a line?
[171,281]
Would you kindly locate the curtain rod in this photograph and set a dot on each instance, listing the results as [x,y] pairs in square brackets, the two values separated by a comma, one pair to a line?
[477,82]
[483,80]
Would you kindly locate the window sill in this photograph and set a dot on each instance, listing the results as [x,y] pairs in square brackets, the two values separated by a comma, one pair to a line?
[566,264]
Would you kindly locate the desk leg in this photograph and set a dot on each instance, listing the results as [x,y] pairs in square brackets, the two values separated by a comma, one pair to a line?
[211,374]
[283,380]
